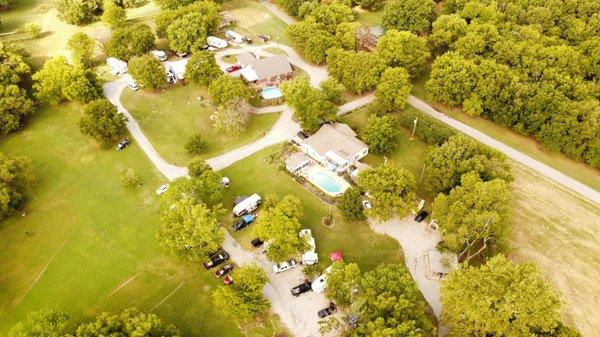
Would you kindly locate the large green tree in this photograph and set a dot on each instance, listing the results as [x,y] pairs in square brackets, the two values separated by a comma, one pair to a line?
[173,4]
[190,230]
[343,281]
[391,188]
[446,30]
[188,33]
[243,300]
[357,71]
[113,15]
[381,134]
[403,49]
[43,323]
[202,68]
[82,48]
[393,89]
[279,225]
[147,71]
[499,298]
[59,81]
[312,106]
[78,12]
[202,187]
[15,177]
[411,15]
[473,216]
[350,204]
[102,121]
[129,323]
[233,117]
[14,67]
[15,106]
[226,88]
[445,165]
[131,41]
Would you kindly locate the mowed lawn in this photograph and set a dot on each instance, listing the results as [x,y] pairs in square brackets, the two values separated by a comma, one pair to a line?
[169,118]
[354,239]
[85,244]
[254,18]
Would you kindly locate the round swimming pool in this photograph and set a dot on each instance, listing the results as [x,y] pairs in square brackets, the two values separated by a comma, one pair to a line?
[325,182]
[271,93]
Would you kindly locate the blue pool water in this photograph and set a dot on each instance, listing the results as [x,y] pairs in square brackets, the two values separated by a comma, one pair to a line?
[271,92]
[326,182]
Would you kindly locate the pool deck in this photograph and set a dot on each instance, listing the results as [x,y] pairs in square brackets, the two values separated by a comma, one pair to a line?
[316,168]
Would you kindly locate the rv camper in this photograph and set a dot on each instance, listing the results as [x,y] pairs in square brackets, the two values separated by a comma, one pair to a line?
[309,257]
[247,205]
[233,36]
[117,67]
[216,42]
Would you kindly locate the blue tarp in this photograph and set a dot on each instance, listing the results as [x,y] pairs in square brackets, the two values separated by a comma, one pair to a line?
[248,218]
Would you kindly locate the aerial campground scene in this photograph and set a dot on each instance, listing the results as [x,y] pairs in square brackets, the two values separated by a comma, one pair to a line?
[299,168]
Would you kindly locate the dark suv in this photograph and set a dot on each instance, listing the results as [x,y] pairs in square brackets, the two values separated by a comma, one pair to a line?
[421,216]
[301,288]
[216,259]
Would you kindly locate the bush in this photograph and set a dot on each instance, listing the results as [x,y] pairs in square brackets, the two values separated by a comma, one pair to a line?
[33,28]
[428,129]
[195,145]
[129,179]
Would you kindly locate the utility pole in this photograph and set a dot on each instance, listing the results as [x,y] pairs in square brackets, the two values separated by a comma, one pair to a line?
[412,136]
[422,173]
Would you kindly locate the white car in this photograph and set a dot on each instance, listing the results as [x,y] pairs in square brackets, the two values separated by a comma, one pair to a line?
[283,266]
[366,204]
[162,189]
[159,55]
[132,85]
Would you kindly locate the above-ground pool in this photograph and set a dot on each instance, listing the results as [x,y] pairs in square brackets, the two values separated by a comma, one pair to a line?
[271,93]
[327,181]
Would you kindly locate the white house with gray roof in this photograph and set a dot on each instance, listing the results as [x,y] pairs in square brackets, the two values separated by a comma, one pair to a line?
[264,71]
[335,146]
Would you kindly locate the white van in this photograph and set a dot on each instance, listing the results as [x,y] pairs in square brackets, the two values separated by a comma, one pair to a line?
[247,205]
[216,42]
[159,55]
[235,37]
[117,67]
[132,85]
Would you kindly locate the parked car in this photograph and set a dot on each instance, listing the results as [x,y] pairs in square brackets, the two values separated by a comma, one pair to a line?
[421,216]
[327,311]
[285,265]
[248,39]
[228,280]
[132,85]
[257,242]
[366,204]
[216,259]
[301,288]
[224,270]
[233,68]
[244,221]
[264,38]
[123,144]
[159,55]
[302,135]
[181,54]
[162,189]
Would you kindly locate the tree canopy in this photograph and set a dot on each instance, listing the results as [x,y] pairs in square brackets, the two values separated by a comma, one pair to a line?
[78,12]
[312,106]
[357,71]
[131,41]
[391,189]
[82,48]
[204,186]
[233,117]
[129,323]
[343,281]
[403,49]
[393,89]
[473,216]
[147,71]
[190,230]
[381,134]
[113,15]
[15,176]
[350,204]
[103,122]
[280,225]
[243,300]
[499,298]
[445,165]
[411,15]
[226,88]
[202,68]
[43,323]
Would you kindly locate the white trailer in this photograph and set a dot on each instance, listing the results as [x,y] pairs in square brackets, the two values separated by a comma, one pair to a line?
[117,67]
[319,284]
[235,37]
[159,55]
[175,70]
[247,205]
[216,42]
[309,257]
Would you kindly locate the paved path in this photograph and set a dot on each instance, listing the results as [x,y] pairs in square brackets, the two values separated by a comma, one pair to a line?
[524,159]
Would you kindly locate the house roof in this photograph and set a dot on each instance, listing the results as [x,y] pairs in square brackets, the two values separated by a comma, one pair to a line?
[268,67]
[296,159]
[245,59]
[338,138]
[227,18]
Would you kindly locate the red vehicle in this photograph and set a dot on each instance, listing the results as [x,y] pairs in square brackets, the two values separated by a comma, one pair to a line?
[228,280]
[226,269]
[233,68]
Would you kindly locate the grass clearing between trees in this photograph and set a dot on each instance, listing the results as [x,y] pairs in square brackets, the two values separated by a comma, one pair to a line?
[169,118]
[86,244]
[253,19]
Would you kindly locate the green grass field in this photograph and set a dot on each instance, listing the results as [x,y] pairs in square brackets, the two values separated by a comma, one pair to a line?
[169,118]
[356,240]
[85,244]
[253,19]
[371,18]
